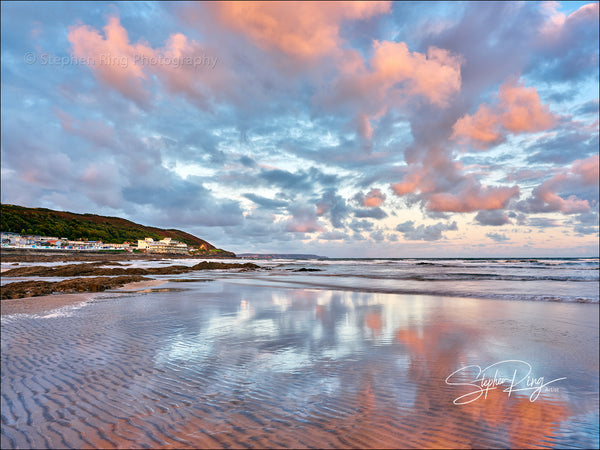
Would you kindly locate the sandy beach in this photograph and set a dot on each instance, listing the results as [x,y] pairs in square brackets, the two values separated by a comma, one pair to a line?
[219,364]
[46,303]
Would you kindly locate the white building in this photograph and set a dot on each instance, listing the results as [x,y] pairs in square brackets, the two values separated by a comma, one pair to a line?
[166,245]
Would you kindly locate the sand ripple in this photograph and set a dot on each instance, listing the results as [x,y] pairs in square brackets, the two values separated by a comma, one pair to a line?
[213,369]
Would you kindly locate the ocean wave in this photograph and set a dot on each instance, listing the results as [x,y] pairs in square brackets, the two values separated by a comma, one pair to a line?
[411,276]
[455,293]
[494,264]
[475,277]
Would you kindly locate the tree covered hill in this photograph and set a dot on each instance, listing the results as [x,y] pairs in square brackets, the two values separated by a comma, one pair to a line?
[61,224]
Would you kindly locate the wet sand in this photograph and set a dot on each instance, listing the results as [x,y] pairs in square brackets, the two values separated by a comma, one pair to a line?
[141,285]
[46,303]
[217,364]
[43,303]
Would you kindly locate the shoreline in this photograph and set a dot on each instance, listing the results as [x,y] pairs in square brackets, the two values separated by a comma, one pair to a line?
[45,303]
[93,277]
[294,284]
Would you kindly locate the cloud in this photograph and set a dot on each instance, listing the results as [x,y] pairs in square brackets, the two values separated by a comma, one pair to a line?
[581,177]
[472,197]
[377,235]
[542,222]
[582,230]
[112,58]
[525,174]
[303,220]
[443,188]
[246,161]
[167,199]
[361,225]
[435,76]
[98,132]
[266,202]
[558,25]
[364,127]
[497,237]
[374,198]
[492,218]
[566,46]
[303,31]
[589,107]
[366,89]
[586,170]
[373,213]
[334,206]
[102,183]
[519,110]
[395,75]
[424,232]
[333,236]
[587,223]
[182,65]
[579,140]
[297,181]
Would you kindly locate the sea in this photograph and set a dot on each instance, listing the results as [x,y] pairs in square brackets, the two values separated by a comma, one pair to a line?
[520,279]
[524,279]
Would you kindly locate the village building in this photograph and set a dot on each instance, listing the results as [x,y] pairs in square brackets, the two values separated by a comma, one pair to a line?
[166,245]
[149,245]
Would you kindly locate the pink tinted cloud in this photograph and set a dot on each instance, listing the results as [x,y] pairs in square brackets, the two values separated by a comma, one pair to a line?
[482,128]
[434,171]
[96,131]
[518,110]
[435,76]
[395,74]
[374,198]
[473,197]
[587,170]
[522,110]
[559,24]
[410,184]
[128,67]
[546,198]
[111,58]
[442,186]
[393,77]
[364,127]
[301,30]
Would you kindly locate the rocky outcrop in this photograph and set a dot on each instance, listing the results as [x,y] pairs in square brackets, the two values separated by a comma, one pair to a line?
[42,255]
[95,269]
[36,288]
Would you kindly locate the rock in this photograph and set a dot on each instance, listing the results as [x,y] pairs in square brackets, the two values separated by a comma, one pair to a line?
[36,288]
[93,269]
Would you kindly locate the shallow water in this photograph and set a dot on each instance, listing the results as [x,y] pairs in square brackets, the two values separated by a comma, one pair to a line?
[544,279]
[221,364]
[534,279]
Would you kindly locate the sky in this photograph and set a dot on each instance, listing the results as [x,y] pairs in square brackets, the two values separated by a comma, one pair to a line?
[345,129]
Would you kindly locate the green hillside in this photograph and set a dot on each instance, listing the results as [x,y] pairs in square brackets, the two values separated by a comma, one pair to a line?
[46,222]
